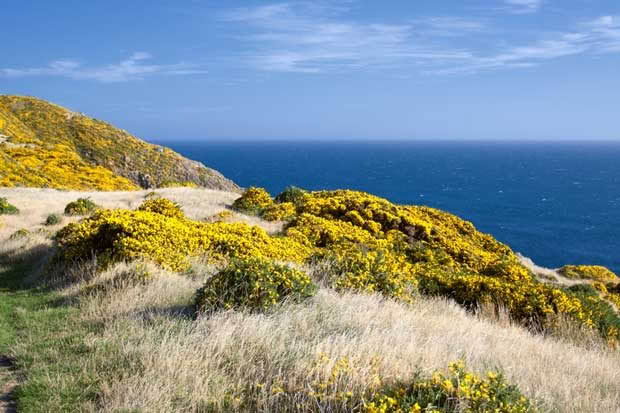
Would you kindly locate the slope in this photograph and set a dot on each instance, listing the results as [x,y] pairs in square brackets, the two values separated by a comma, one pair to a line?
[45,145]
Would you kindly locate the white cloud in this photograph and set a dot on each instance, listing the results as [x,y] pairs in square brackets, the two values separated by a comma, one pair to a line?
[317,37]
[132,68]
[523,6]
[599,36]
[607,29]
[294,37]
[303,37]
[450,26]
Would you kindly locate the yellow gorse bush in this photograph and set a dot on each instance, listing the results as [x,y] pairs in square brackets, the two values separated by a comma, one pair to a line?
[448,256]
[55,166]
[591,272]
[458,238]
[372,245]
[121,235]
[162,206]
[279,212]
[459,390]
[253,200]
[527,300]
[371,271]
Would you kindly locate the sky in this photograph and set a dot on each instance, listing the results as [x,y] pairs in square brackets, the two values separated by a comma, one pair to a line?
[326,70]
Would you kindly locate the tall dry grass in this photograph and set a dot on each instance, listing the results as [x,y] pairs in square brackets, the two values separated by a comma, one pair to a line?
[170,361]
[189,365]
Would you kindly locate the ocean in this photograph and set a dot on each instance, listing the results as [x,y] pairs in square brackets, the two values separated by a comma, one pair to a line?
[557,203]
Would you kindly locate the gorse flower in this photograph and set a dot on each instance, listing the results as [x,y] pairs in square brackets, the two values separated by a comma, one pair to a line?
[121,235]
[279,212]
[459,390]
[592,272]
[163,207]
[48,146]
[253,201]
[371,244]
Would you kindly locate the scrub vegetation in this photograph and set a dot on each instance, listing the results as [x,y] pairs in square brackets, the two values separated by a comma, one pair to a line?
[44,145]
[175,300]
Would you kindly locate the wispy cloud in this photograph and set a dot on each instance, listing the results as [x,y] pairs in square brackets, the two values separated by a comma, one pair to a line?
[598,36]
[448,26]
[297,37]
[607,30]
[133,68]
[301,37]
[523,6]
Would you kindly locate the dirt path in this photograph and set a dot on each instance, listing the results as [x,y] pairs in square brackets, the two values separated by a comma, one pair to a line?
[7,385]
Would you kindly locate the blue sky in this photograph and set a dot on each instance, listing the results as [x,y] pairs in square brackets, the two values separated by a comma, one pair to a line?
[329,69]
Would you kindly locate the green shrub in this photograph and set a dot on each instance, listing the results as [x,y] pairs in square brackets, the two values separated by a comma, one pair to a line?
[81,206]
[162,206]
[458,391]
[253,284]
[253,201]
[19,234]
[151,194]
[354,268]
[6,208]
[53,219]
[584,290]
[602,314]
[291,194]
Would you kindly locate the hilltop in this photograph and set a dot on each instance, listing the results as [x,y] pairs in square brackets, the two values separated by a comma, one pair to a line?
[46,145]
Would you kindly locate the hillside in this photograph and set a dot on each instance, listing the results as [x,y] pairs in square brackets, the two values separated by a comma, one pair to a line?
[45,145]
[374,302]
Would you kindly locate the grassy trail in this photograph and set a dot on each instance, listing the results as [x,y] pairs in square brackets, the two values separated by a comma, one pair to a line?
[9,297]
[7,386]
[41,340]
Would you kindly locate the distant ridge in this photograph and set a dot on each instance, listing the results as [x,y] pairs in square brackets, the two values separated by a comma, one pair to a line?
[46,145]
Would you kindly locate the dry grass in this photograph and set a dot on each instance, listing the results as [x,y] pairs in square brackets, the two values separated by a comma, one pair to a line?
[176,363]
[36,204]
[188,364]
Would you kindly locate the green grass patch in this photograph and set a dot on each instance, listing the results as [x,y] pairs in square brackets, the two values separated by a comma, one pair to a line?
[58,370]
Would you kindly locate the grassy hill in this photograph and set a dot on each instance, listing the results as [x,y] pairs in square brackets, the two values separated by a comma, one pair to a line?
[202,300]
[196,300]
[45,145]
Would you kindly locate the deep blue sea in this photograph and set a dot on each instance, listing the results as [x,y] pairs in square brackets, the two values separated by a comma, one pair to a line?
[557,203]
